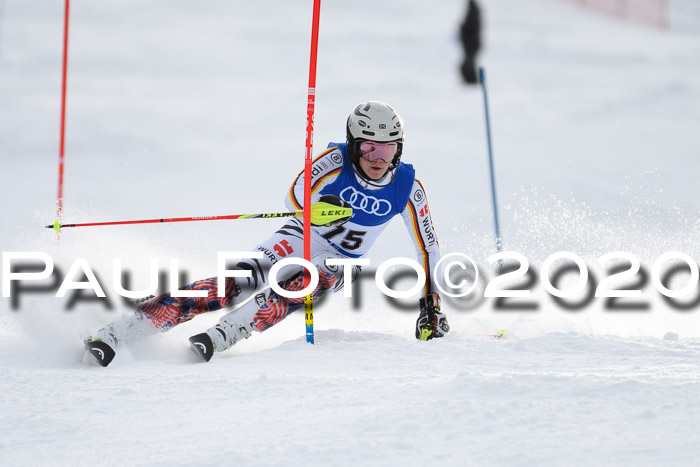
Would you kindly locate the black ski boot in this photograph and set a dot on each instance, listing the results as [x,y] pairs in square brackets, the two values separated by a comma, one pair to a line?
[101,350]
[202,346]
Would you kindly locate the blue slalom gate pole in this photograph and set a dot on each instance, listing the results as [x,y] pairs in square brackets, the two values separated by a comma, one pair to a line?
[497,227]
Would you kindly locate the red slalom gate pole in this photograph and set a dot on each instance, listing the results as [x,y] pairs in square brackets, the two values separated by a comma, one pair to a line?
[310,108]
[61,151]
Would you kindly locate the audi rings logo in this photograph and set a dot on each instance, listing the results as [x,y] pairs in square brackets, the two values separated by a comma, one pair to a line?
[366,203]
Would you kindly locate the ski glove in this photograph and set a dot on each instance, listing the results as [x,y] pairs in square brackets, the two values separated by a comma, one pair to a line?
[324,206]
[431,322]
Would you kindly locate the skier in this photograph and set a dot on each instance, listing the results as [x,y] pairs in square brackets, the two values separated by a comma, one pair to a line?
[364,173]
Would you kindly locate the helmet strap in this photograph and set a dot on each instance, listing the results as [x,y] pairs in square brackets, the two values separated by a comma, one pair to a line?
[368,181]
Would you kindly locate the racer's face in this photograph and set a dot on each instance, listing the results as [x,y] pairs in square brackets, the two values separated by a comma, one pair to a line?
[376,157]
[375,169]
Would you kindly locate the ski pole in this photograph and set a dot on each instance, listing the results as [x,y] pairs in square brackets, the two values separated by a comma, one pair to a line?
[322,213]
[497,228]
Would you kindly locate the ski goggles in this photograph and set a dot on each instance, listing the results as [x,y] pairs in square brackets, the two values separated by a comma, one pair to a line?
[372,151]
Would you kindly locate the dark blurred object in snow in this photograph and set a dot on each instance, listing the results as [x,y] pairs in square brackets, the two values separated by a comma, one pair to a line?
[470,34]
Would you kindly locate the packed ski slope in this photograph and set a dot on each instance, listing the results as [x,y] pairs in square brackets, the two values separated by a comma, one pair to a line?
[186,109]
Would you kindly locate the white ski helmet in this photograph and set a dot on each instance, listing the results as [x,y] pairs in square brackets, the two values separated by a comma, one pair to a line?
[374,121]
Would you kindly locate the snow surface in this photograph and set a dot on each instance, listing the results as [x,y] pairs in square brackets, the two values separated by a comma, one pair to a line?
[188,108]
